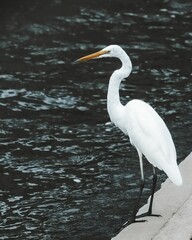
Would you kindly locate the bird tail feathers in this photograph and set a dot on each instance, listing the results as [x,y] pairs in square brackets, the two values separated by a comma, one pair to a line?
[174,175]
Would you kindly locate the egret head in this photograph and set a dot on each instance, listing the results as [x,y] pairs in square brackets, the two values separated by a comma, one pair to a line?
[109,51]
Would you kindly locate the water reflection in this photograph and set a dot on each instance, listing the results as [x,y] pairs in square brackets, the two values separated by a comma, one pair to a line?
[66,171]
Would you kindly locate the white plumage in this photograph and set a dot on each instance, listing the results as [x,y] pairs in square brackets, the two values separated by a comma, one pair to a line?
[146,129]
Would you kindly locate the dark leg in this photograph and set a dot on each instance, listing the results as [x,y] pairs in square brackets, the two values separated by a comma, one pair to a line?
[142,184]
[136,208]
[152,192]
[149,212]
[133,217]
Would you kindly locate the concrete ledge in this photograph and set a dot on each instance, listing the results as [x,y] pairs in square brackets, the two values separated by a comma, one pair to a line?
[174,204]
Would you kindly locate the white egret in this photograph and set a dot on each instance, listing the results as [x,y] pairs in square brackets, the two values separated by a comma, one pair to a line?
[146,129]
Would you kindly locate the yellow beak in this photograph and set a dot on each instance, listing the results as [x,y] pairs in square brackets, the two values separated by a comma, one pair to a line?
[92,56]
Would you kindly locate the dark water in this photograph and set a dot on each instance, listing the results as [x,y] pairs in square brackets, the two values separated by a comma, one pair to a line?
[65,171]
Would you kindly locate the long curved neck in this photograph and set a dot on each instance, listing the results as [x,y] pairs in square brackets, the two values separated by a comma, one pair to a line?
[114,106]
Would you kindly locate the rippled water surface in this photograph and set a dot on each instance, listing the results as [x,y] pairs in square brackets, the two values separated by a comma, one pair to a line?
[66,172]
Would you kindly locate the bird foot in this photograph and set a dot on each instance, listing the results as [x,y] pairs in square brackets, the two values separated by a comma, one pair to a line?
[129,222]
[147,214]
